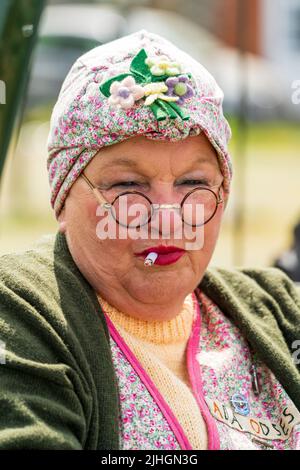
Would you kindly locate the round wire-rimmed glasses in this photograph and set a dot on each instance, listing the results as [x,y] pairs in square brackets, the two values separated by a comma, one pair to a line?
[201,203]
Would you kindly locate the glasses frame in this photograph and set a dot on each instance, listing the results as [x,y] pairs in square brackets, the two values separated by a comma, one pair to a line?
[108,205]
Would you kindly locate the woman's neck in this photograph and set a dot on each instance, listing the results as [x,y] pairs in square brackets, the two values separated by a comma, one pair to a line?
[159,331]
[150,312]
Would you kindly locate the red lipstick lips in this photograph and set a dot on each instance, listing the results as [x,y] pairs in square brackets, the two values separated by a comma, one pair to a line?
[166,254]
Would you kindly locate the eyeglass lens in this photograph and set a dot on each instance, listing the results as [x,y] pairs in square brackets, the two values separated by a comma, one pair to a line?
[134,210]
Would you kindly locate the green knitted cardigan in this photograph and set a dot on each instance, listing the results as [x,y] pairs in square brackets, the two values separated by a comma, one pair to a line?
[58,388]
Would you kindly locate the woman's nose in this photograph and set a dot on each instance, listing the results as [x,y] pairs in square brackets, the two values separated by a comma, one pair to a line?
[166,221]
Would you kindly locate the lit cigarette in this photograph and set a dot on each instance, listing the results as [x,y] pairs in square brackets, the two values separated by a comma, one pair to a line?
[150,259]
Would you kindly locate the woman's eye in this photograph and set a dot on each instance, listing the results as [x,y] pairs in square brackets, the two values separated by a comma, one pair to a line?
[191,182]
[125,184]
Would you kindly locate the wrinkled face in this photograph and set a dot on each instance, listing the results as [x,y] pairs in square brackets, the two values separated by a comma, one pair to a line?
[164,171]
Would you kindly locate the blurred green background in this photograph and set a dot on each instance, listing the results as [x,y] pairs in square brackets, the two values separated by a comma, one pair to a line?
[253,50]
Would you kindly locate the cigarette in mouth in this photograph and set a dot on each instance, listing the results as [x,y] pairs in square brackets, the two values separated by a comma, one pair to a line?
[150,259]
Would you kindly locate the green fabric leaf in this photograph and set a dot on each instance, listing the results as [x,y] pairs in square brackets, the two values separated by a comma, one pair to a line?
[160,78]
[104,88]
[159,113]
[139,68]
[180,111]
[140,80]
[168,109]
[163,109]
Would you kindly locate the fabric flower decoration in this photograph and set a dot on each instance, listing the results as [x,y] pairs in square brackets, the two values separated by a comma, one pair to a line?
[155,91]
[148,76]
[124,93]
[178,86]
[162,66]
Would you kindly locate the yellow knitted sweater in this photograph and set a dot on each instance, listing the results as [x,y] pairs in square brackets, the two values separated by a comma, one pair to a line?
[160,347]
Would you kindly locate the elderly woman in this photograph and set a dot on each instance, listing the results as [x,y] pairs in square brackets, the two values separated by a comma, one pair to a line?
[114,332]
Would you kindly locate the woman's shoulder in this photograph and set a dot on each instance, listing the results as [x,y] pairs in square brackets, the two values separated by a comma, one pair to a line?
[30,268]
[31,271]
[40,264]
[44,296]
[41,280]
[248,291]
[239,278]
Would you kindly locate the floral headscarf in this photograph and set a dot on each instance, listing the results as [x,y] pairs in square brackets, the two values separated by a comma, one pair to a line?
[140,84]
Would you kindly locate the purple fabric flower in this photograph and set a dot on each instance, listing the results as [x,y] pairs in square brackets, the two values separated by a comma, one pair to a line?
[178,86]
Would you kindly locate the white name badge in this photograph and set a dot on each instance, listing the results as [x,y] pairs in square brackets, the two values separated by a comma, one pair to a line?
[261,428]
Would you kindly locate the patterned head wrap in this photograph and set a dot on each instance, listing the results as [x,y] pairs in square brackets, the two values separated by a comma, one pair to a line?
[140,84]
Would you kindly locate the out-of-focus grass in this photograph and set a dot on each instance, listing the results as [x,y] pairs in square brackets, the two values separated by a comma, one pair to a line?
[272,175]
[267,136]
[21,230]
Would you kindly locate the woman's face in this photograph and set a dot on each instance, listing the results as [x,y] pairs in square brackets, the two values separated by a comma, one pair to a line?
[164,172]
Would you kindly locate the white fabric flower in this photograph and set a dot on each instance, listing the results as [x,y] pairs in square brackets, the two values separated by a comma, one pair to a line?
[163,66]
[124,93]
